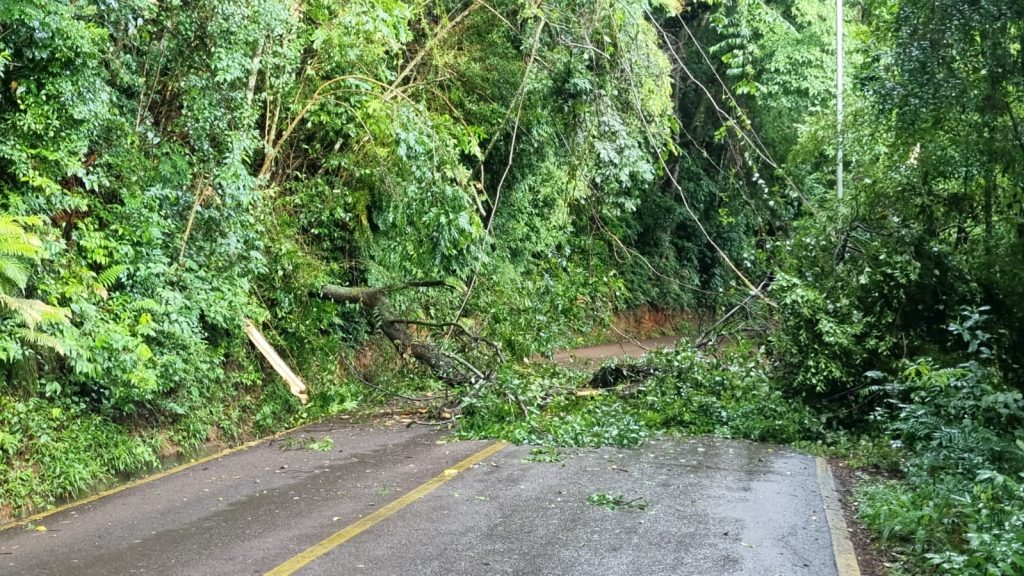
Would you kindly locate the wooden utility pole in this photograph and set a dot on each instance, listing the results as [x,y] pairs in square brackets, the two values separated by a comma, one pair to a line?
[839,97]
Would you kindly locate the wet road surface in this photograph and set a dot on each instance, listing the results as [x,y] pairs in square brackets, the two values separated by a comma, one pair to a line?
[709,507]
[593,356]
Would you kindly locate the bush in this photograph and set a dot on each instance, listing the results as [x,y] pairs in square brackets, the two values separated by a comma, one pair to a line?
[960,431]
[51,450]
[949,524]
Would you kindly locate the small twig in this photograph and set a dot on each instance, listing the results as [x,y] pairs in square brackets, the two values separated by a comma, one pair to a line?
[465,301]
[634,341]
[465,364]
[630,252]
[462,330]
[275,147]
[202,192]
[440,35]
[447,422]
[472,394]
[512,397]
[421,284]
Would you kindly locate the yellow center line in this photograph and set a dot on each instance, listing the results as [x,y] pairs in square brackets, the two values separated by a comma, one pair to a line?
[308,555]
[144,480]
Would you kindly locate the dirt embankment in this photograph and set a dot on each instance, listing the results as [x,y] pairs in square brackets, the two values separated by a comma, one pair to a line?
[648,322]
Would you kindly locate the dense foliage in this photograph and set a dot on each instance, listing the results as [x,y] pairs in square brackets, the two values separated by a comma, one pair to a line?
[181,167]
[880,292]
[169,170]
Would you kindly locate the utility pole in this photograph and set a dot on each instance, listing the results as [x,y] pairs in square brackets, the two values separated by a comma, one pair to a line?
[839,98]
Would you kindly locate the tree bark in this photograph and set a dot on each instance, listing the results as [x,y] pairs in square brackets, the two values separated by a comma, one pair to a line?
[443,366]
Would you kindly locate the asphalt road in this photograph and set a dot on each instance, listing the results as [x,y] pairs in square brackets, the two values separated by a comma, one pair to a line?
[709,507]
[592,356]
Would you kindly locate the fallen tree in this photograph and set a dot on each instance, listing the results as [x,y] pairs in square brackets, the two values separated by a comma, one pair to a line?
[468,367]
[451,368]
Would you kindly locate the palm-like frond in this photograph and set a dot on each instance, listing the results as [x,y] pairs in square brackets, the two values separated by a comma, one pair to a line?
[108,277]
[13,274]
[40,340]
[33,312]
[15,241]
[18,250]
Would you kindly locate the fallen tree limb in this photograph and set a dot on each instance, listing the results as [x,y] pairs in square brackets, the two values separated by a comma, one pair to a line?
[352,370]
[445,366]
[709,335]
[616,374]
[295,384]
[461,329]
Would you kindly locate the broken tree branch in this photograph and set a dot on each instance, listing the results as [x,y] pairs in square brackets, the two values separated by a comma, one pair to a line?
[295,384]
[708,336]
[447,367]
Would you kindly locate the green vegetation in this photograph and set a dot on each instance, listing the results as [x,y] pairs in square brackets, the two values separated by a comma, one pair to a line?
[959,507]
[325,444]
[616,501]
[510,174]
[685,392]
[548,454]
[186,166]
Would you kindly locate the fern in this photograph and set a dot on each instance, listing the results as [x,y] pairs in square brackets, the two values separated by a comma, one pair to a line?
[40,340]
[15,241]
[108,277]
[33,312]
[13,274]
[105,280]
[18,250]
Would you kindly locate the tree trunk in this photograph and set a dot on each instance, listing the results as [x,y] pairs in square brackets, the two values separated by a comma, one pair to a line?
[443,366]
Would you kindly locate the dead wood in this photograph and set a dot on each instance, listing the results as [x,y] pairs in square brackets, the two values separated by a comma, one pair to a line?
[617,374]
[295,384]
[446,366]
